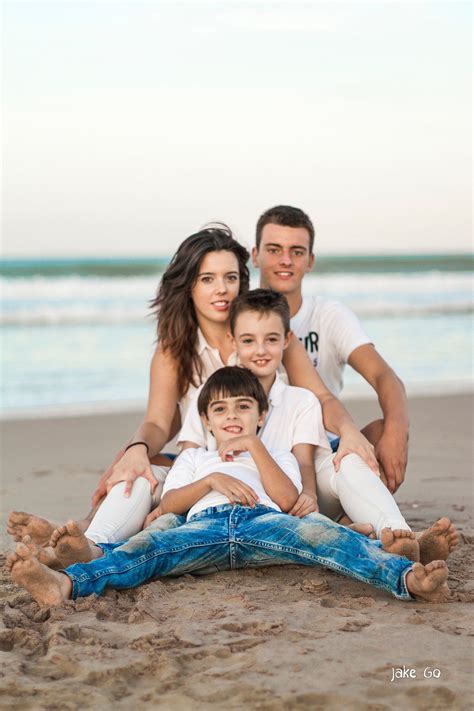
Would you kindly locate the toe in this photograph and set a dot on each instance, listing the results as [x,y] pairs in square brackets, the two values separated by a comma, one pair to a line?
[10,560]
[23,551]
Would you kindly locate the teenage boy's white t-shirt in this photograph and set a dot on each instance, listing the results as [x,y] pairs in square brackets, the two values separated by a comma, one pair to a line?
[330,332]
[195,464]
[294,417]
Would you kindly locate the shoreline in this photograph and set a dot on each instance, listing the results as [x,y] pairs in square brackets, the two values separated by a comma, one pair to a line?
[352,394]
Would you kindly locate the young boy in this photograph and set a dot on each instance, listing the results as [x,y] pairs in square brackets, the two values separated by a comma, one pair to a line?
[236,508]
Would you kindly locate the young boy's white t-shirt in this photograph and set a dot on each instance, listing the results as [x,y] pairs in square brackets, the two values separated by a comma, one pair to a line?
[195,464]
[330,332]
[294,417]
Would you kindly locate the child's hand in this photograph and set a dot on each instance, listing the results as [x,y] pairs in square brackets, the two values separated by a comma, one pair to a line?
[151,516]
[235,446]
[306,503]
[236,491]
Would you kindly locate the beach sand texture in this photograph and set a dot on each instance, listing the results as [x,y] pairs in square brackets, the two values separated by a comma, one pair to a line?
[280,638]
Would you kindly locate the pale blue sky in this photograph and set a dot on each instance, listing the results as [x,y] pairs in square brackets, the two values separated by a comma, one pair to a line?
[127,125]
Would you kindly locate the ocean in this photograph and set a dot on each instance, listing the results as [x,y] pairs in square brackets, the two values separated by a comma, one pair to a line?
[77,335]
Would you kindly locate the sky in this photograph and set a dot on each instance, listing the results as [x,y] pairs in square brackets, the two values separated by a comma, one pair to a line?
[129,125]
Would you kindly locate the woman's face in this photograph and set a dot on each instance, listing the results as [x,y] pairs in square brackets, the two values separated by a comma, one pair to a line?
[216,286]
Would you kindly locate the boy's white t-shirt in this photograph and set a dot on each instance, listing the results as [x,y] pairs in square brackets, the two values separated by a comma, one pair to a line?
[294,417]
[195,464]
[330,332]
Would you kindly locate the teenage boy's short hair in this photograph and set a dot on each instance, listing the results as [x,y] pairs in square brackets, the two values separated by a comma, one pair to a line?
[232,381]
[261,301]
[286,216]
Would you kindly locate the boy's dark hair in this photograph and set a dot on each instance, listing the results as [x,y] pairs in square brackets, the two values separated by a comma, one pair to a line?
[286,216]
[261,301]
[232,381]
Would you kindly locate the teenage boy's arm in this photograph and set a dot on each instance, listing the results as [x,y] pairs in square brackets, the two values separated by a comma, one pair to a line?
[392,448]
[276,483]
[307,501]
[336,418]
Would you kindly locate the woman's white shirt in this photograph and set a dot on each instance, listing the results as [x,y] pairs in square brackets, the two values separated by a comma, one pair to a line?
[211,361]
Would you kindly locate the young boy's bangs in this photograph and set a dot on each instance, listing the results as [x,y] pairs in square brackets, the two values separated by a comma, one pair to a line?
[232,381]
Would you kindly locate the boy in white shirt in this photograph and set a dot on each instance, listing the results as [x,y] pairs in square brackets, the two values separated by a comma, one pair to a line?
[237,506]
[260,326]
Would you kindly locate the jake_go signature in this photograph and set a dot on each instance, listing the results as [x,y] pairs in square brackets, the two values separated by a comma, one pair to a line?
[405,672]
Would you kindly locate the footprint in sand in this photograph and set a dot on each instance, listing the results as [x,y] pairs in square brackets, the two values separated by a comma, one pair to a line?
[356,603]
[258,627]
[355,625]
[316,587]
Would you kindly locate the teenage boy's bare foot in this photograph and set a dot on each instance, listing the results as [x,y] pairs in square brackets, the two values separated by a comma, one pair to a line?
[21,524]
[428,582]
[400,542]
[46,586]
[71,545]
[438,541]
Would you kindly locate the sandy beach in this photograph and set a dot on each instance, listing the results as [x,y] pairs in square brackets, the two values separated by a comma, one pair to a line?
[280,638]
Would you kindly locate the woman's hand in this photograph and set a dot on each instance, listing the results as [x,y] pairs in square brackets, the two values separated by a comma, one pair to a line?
[306,503]
[353,442]
[236,491]
[133,464]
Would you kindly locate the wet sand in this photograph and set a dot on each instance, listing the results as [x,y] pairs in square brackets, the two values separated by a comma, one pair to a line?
[280,638]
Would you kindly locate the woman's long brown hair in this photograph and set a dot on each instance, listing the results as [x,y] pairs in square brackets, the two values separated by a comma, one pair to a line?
[173,305]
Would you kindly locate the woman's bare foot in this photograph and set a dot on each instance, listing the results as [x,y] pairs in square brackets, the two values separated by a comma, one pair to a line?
[21,524]
[400,542]
[438,541]
[45,555]
[428,582]
[46,586]
[70,545]
[365,529]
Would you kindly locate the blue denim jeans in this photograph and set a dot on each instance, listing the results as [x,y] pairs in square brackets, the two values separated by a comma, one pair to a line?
[234,536]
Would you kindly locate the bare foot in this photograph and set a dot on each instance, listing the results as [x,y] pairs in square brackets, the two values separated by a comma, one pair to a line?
[21,524]
[365,529]
[45,555]
[46,586]
[438,541]
[400,542]
[71,545]
[428,582]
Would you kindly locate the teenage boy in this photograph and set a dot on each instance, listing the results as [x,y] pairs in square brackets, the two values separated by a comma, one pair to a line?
[331,333]
[236,518]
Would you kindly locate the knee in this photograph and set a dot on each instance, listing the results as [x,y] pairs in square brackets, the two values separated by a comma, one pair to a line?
[373,431]
[140,489]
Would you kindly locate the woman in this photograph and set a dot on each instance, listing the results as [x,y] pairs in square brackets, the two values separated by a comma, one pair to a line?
[205,275]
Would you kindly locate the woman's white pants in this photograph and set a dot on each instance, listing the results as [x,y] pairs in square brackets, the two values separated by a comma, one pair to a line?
[118,517]
[354,489]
